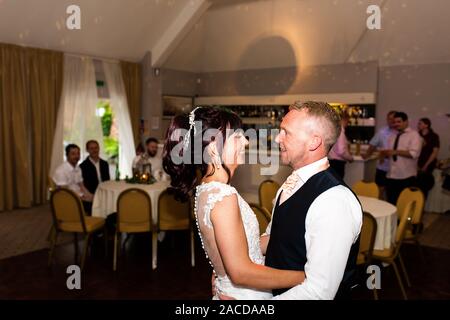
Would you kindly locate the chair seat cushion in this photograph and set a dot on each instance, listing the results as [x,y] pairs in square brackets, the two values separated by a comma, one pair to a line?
[92,224]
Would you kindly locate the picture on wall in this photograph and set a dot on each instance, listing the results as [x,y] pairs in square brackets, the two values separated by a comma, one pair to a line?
[173,105]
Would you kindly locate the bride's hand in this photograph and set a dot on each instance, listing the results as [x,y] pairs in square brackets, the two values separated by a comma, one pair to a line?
[224,297]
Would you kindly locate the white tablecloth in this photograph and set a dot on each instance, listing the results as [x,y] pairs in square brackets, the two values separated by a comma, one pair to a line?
[386,217]
[105,198]
[438,200]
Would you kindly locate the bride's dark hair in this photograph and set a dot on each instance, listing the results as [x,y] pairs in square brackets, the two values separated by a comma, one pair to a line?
[185,176]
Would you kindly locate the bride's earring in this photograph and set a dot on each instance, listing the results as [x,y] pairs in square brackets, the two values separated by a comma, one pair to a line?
[217,163]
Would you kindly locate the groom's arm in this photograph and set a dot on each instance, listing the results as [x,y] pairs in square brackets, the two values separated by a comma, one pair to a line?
[332,225]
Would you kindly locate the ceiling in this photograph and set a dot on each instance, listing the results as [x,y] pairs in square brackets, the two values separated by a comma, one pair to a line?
[236,34]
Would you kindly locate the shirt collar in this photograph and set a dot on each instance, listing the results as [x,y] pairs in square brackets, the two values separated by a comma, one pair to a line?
[92,160]
[69,166]
[311,169]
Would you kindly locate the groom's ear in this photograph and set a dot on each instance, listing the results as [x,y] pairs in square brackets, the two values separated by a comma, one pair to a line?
[315,143]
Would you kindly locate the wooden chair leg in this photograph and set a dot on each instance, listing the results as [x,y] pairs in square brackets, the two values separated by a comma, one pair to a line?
[397,273]
[52,247]
[192,249]
[50,234]
[85,250]
[105,234]
[375,294]
[116,244]
[402,265]
[154,249]
[75,245]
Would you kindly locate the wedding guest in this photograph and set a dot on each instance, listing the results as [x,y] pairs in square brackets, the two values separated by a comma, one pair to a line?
[94,170]
[428,156]
[69,175]
[340,154]
[403,152]
[380,142]
[150,156]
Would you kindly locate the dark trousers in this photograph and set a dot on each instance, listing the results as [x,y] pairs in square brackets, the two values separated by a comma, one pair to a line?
[87,207]
[395,186]
[338,166]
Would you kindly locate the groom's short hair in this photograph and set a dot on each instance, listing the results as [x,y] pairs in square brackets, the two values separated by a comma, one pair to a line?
[329,121]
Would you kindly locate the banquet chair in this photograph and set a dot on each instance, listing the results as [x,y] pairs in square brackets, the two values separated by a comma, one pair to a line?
[367,243]
[263,216]
[415,228]
[69,216]
[51,187]
[134,215]
[391,254]
[366,189]
[173,215]
[267,192]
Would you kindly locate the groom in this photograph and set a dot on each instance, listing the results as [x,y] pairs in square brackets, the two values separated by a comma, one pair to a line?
[317,219]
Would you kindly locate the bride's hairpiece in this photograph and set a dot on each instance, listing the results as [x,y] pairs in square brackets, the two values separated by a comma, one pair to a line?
[187,137]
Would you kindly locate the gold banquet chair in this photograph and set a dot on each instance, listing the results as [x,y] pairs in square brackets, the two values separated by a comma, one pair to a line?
[416,226]
[367,243]
[366,189]
[173,215]
[69,216]
[390,255]
[134,215]
[262,215]
[267,192]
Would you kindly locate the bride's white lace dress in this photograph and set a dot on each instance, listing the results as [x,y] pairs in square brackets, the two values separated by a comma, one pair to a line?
[207,196]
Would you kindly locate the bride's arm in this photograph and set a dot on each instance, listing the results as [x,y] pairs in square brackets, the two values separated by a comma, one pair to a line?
[232,244]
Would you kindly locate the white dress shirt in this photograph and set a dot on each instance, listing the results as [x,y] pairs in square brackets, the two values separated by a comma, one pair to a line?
[97,168]
[405,167]
[332,225]
[68,176]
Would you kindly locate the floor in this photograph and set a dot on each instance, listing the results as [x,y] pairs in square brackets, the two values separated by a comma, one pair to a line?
[26,276]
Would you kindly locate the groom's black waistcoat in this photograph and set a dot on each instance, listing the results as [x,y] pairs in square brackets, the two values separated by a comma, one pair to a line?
[287,248]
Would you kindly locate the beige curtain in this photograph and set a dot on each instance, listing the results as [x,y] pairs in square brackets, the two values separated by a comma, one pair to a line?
[132,78]
[30,86]
[45,76]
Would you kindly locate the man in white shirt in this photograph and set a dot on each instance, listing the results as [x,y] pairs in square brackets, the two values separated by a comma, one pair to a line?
[69,175]
[380,141]
[403,153]
[317,219]
[152,156]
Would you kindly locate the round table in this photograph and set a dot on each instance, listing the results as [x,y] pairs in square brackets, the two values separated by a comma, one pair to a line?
[105,198]
[386,216]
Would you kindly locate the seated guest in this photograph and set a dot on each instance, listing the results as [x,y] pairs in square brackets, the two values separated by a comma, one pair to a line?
[94,170]
[139,152]
[151,156]
[69,175]
[428,156]
[340,153]
[404,150]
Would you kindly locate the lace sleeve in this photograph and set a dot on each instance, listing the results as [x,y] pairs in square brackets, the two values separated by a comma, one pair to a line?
[208,197]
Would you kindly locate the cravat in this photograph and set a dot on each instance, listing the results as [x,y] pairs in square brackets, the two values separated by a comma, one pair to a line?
[397,138]
[288,186]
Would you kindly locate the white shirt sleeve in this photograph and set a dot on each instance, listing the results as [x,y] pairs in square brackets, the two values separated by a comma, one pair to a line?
[332,225]
[59,177]
[415,145]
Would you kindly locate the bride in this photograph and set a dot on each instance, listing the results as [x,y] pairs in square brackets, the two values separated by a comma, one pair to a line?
[227,226]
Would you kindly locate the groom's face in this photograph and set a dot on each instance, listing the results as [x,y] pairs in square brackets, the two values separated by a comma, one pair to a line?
[293,138]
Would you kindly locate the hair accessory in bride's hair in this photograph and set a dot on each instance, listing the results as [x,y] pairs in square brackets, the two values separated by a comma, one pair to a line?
[187,137]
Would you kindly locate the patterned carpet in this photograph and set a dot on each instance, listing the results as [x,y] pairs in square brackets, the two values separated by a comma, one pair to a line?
[26,230]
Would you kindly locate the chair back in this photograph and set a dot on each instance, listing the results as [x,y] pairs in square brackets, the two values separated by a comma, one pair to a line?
[267,192]
[263,216]
[66,208]
[405,222]
[134,211]
[412,194]
[172,213]
[367,238]
[366,189]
